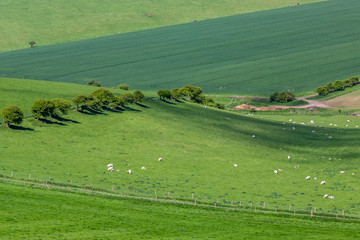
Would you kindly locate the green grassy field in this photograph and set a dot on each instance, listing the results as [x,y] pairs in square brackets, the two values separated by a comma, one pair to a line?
[49,22]
[30,213]
[78,149]
[312,45]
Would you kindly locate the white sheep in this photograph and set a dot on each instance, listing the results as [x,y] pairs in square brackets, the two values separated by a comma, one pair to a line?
[335,125]
[342,171]
[348,121]
[322,182]
[235,165]
[253,136]
[307,178]
[289,157]
[293,128]
[313,131]
[312,121]
[110,169]
[331,197]
[110,165]
[330,137]
[275,171]
[129,171]
[356,126]
[280,170]
[205,106]
[353,173]
[117,170]
[346,125]
[315,178]
[326,196]
[160,159]
[143,168]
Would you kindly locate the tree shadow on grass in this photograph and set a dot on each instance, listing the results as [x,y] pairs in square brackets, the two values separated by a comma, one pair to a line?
[14,127]
[115,110]
[90,111]
[47,121]
[164,100]
[142,105]
[64,119]
[132,109]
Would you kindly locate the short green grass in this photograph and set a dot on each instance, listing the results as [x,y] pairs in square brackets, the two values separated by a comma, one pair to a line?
[199,148]
[296,48]
[49,22]
[30,213]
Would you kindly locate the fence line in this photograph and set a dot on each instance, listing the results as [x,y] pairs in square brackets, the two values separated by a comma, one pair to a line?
[179,201]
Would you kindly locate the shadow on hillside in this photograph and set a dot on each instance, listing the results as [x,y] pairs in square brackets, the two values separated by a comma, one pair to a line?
[90,111]
[13,127]
[142,105]
[114,110]
[64,119]
[179,101]
[132,109]
[164,100]
[47,121]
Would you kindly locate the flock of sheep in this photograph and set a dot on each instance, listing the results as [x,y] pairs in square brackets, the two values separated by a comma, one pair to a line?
[110,167]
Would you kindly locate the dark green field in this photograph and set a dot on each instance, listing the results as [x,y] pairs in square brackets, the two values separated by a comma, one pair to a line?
[313,44]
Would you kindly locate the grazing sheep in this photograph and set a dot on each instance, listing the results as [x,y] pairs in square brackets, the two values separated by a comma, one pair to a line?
[307,178]
[315,178]
[335,125]
[143,168]
[205,106]
[293,128]
[331,197]
[160,159]
[356,126]
[290,120]
[353,173]
[253,136]
[322,182]
[235,165]
[313,131]
[346,125]
[326,196]
[275,171]
[348,121]
[342,171]
[330,137]
[110,165]
[129,171]
[330,124]
[117,170]
[312,121]
[280,170]
[110,169]
[289,157]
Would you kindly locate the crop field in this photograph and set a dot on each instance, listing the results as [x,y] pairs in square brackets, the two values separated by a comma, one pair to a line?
[313,44]
[77,150]
[28,213]
[49,22]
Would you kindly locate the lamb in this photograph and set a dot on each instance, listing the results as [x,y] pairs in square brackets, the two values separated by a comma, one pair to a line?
[342,171]
[326,196]
[253,136]
[110,169]
[235,165]
[331,197]
[129,171]
[289,157]
[322,182]
[143,168]
[110,165]
[275,171]
[307,178]
[160,159]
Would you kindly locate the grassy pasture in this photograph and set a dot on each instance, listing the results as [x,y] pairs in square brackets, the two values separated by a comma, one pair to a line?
[296,48]
[28,213]
[199,147]
[49,22]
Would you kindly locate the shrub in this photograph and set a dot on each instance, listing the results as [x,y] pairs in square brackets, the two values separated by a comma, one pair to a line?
[175,93]
[105,96]
[123,86]
[273,96]
[322,91]
[192,92]
[93,83]
[127,98]
[163,94]
[285,97]
[138,96]
[338,85]
[208,101]
[12,115]
[218,105]
[61,105]
[83,101]
[43,108]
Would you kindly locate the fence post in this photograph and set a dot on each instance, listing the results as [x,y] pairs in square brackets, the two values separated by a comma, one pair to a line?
[250,204]
[311,213]
[314,209]
[240,204]
[195,203]
[168,194]
[29,176]
[192,196]
[255,209]
[289,207]
[264,204]
[336,215]
[294,212]
[214,205]
[112,188]
[11,174]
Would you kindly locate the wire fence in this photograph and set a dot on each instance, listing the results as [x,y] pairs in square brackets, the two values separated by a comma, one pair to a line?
[196,201]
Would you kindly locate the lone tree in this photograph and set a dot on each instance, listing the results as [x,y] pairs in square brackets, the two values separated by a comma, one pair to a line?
[12,115]
[32,43]
[43,108]
[123,86]
[138,96]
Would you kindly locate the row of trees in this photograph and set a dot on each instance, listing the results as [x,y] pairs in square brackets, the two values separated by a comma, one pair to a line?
[282,97]
[337,86]
[97,100]
[189,93]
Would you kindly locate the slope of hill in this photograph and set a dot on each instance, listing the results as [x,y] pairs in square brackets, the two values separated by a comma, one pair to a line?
[49,22]
[29,213]
[296,48]
[199,148]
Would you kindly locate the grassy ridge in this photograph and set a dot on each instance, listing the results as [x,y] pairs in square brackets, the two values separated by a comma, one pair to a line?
[49,22]
[199,147]
[297,49]
[73,216]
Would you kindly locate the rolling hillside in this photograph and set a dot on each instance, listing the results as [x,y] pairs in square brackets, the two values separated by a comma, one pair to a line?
[49,22]
[199,148]
[296,48]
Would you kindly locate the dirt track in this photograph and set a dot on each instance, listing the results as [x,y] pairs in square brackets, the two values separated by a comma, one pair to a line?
[311,103]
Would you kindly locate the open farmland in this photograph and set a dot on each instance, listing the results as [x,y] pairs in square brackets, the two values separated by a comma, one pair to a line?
[199,148]
[49,22]
[312,45]
[28,213]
